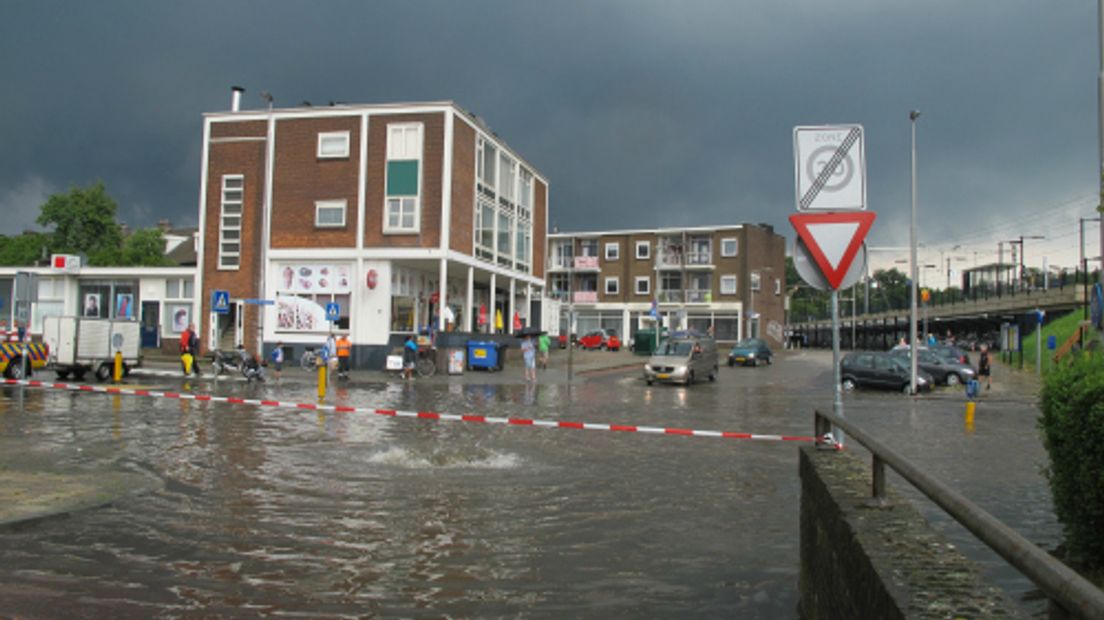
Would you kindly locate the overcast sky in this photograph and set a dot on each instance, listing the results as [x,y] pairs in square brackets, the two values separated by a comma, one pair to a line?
[640,114]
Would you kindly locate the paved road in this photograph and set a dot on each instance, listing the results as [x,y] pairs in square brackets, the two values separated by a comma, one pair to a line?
[262,511]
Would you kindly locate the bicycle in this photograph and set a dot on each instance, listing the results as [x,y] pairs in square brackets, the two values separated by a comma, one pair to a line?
[311,359]
[425,364]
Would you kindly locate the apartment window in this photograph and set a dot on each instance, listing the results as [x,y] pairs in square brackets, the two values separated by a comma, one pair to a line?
[230,221]
[755,281]
[404,156]
[643,250]
[613,251]
[329,213]
[728,247]
[613,286]
[507,175]
[333,145]
[484,229]
[728,285]
[643,285]
[525,197]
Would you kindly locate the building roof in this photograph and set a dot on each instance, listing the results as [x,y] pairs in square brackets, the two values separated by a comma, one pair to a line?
[644,231]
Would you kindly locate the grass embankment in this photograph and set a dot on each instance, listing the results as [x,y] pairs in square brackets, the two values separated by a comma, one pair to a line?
[1061,328]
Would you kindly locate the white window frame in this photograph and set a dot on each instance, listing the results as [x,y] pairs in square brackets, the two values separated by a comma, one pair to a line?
[730,279]
[399,151]
[616,254]
[321,205]
[735,247]
[616,282]
[755,280]
[647,281]
[777,286]
[327,136]
[647,246]
[224,255]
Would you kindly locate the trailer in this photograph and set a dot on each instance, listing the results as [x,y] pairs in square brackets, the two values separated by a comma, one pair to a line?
[80,345]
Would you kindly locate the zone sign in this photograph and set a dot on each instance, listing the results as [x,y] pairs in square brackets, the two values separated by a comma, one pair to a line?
[830,168]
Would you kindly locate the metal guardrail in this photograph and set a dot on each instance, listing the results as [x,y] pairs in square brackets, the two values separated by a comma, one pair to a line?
[1070,591]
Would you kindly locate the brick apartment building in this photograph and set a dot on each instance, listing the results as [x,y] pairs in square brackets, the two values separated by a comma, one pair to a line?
[728,278]
[400,214]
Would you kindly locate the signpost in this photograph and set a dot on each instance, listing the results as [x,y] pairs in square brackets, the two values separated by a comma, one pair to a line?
[220,301]
[333,311]
[832,221]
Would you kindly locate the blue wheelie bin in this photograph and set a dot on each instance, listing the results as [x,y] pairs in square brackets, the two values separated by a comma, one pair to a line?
[484,354]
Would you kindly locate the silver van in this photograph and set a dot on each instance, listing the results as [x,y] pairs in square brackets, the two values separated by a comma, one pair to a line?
[683,359]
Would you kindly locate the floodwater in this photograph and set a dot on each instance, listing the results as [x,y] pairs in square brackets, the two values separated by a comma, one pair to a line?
[293,513]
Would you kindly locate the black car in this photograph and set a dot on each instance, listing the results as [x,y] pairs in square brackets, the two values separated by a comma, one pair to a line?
[945,370]
[951,352]
[880,370]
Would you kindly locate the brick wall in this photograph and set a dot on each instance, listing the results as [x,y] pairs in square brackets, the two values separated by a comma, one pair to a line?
[463,189]
[540,230]
[245,158]
[300,178]
[432,166]
[861,560]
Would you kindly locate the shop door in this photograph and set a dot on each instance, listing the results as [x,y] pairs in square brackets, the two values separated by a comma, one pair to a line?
[151,324]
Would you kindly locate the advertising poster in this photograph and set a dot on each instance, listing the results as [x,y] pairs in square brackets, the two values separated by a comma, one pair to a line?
[91,305]
[124,306]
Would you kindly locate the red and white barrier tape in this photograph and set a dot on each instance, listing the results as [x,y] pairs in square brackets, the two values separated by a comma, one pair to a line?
[422,415]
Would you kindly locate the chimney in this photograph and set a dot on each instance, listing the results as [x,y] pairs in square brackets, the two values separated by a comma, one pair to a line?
[164,225]
[235,98]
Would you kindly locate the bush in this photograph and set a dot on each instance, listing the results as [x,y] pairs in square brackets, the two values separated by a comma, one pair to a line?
[1072,402]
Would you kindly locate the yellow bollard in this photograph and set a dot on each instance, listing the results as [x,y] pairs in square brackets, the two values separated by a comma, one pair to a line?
[971,406]
[118,366]
[321,382]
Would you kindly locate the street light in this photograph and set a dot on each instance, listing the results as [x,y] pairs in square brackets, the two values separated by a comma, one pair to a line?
[913,115]
[1020,242]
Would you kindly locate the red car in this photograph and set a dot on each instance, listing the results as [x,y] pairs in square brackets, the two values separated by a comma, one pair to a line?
[599,339]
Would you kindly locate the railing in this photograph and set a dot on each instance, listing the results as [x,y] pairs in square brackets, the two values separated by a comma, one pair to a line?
[1070,591]
[586,262]
[699,296]
[562,262]
[704,257]
[666,258]
[671,296]
[586,297]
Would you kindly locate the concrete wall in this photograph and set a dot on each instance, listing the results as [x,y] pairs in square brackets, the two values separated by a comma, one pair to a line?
[864,560]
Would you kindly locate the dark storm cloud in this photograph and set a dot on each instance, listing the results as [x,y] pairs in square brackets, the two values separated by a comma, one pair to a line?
[639,113]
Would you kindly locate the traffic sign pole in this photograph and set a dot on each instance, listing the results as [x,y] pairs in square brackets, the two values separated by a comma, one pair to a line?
[837,404]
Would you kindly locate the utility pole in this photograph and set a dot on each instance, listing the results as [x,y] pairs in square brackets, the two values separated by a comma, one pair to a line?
[1100,122]
[913,115]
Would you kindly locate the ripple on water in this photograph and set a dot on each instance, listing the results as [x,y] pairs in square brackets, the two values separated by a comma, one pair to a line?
[445,458]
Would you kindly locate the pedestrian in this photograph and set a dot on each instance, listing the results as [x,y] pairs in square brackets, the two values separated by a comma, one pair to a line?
[277,357]
[410,357]
[193,348]
[984,369]
[344,351]
[544,346]
[185,352]
[529,353]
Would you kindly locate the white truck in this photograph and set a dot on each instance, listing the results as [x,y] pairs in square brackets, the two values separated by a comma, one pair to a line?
[80,345]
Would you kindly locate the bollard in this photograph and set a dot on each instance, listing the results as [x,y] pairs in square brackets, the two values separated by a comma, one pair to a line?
[973,387]
[971,406]
[322,381]
[118,366]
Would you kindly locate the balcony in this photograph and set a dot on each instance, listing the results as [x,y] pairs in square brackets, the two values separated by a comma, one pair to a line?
[673,296]
[699,296]
[586,297]
[702,258]
[586,263]
[560,263]
[668,259]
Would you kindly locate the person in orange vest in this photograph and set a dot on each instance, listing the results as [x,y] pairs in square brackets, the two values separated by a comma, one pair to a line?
[344,350]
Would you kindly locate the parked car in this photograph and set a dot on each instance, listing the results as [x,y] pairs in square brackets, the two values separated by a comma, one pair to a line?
[750,352]
[944,370]
[613,343]
[593,340]
[951,352]
[683,359]
[875,369]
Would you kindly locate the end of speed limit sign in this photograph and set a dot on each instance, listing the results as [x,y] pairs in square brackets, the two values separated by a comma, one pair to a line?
[830,168]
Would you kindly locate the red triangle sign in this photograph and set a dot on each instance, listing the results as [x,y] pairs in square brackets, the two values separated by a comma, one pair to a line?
[833,239]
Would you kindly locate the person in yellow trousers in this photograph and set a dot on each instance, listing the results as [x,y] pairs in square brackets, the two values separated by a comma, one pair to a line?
[344,351]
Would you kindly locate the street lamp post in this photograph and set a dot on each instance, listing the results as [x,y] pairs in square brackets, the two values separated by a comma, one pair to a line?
[913,115]
[1085,262]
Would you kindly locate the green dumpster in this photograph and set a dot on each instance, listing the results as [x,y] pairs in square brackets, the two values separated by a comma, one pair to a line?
[644,342]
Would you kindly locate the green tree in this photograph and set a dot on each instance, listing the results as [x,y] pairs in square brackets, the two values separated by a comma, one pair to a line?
[23,250]
[142,248]
[83,221]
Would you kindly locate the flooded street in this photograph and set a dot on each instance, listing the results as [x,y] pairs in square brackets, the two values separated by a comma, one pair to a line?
[276,512]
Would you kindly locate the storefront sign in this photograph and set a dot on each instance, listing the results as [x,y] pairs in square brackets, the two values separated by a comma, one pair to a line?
[302,278]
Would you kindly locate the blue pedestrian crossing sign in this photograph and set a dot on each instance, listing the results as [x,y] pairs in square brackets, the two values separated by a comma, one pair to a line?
[333,310]
[220,301]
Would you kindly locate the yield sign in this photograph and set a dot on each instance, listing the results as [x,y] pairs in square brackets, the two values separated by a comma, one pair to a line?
[833,239]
